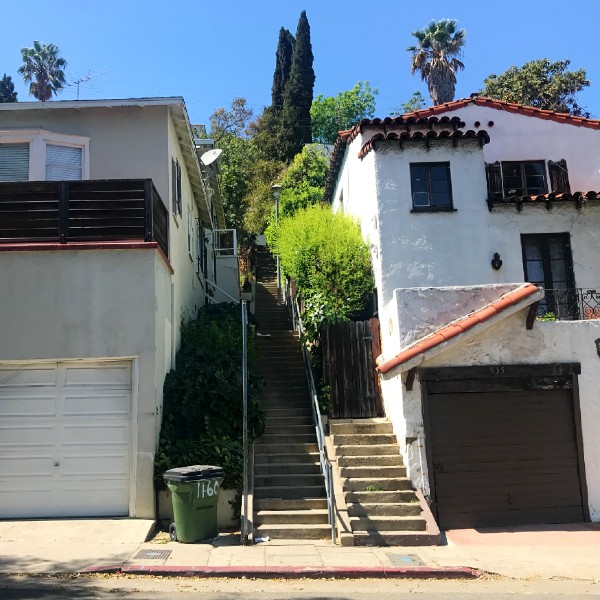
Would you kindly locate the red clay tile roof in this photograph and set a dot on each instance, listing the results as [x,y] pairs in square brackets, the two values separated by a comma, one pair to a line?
[482,136]
[459,326]
[520,109]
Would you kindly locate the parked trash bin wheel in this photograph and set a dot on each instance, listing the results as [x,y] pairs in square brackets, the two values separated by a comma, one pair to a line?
[173,532]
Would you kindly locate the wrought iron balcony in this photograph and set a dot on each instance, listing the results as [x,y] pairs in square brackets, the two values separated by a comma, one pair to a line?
[90,210]
[572,304]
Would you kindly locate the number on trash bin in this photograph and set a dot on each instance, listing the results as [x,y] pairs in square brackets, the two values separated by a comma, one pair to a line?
[208,488]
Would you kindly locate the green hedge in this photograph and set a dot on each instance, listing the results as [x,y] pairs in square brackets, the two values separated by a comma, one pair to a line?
[202,403]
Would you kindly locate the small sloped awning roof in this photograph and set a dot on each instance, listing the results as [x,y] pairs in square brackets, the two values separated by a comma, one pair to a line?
[417,352]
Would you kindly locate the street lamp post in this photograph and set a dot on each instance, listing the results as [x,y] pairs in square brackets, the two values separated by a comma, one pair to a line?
[276,189]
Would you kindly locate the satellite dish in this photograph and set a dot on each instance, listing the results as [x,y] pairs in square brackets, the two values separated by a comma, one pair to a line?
[210,157]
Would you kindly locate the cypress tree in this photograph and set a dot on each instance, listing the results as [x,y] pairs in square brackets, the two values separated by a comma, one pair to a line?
[283,64]
[298,96]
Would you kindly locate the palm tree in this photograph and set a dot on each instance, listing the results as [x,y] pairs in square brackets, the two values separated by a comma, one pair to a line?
[435,57]
[43,69]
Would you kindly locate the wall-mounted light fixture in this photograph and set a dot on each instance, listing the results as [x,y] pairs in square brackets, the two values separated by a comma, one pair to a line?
[496,261]
[597,342]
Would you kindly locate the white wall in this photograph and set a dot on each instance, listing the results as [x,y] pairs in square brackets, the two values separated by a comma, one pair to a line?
[88,304]
[508,342]
[520,137]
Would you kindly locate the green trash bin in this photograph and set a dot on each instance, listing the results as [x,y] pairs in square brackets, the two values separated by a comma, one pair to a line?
[195,494]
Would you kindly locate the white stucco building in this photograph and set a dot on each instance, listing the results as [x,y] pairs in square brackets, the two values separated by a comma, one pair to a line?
[110,231]
[496,412]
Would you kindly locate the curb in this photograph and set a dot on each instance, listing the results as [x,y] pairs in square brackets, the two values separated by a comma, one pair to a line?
[293,572]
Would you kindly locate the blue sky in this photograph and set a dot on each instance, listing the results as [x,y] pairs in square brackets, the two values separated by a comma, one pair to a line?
[211,52]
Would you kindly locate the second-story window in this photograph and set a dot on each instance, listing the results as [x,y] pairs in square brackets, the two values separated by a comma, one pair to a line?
[526,178]
[176,187]
[431,187]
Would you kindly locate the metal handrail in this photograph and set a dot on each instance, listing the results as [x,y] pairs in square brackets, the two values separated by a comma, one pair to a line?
[325,463]
[214,285]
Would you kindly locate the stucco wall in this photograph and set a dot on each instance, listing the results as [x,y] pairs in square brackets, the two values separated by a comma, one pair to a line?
[88,304]
[521,137]
[509,342]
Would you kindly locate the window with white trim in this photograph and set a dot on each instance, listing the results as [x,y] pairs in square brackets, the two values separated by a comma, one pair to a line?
[38,155]
[14,162]
[63,162]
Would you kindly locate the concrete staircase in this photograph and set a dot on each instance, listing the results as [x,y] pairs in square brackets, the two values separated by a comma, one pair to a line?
[289,492]
[383,507]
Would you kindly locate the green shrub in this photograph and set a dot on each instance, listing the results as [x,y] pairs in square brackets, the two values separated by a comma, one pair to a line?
[202,403]
[325,254]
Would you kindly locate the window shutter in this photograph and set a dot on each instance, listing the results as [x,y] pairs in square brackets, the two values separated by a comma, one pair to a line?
[559,176]
[14,162]
[63,162]
[493,174]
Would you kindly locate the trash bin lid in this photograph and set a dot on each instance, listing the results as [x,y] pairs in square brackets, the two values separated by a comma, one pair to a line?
[193,473]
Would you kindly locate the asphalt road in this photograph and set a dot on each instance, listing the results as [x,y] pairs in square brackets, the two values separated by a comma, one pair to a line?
[152,588]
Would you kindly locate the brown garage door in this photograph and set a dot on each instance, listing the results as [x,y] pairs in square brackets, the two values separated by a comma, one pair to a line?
[503,445]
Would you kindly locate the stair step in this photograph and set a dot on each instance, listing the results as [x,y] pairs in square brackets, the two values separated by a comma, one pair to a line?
[358,427]
[270,458]
[301,532]
[367,450]
[285,448]
[291,438]
[297,517]
[282,413]
[395,538]
[395,523]
[305,468]
[372,471]
[380,485]
[375,461]
[290,504]
[347,439]
[404,509]
[301,480]
[289,491]
[386,497]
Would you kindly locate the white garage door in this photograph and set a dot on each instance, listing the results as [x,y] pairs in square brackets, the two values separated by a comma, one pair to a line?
[65,439]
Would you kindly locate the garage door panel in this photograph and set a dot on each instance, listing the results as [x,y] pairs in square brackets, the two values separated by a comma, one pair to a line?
[503,466]
[513,498]
[501,455]
[65,440]
[99,375]
[504,518]
[92,466]
[115,406]
[28,377]
[561,446]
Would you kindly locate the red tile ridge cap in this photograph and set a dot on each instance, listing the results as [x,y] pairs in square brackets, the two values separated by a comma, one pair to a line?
[460,325]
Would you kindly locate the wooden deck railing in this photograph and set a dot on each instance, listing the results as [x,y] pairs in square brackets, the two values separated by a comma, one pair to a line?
[70,211]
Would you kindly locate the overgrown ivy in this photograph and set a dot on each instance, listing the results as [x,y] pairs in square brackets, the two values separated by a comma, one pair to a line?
[202,402]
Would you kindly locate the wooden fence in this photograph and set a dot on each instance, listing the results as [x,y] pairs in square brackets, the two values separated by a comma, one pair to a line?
[349,353]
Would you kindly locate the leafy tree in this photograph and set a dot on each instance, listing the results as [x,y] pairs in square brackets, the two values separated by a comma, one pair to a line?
[283,65]
[325,254]
[7,89]
[43,69]
[303,183]
[415,102]
[434,57]
[331,114]
[296,128]
[540,83]
[233,121]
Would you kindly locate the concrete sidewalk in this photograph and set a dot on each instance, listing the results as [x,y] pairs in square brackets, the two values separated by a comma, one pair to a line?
[571,552]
